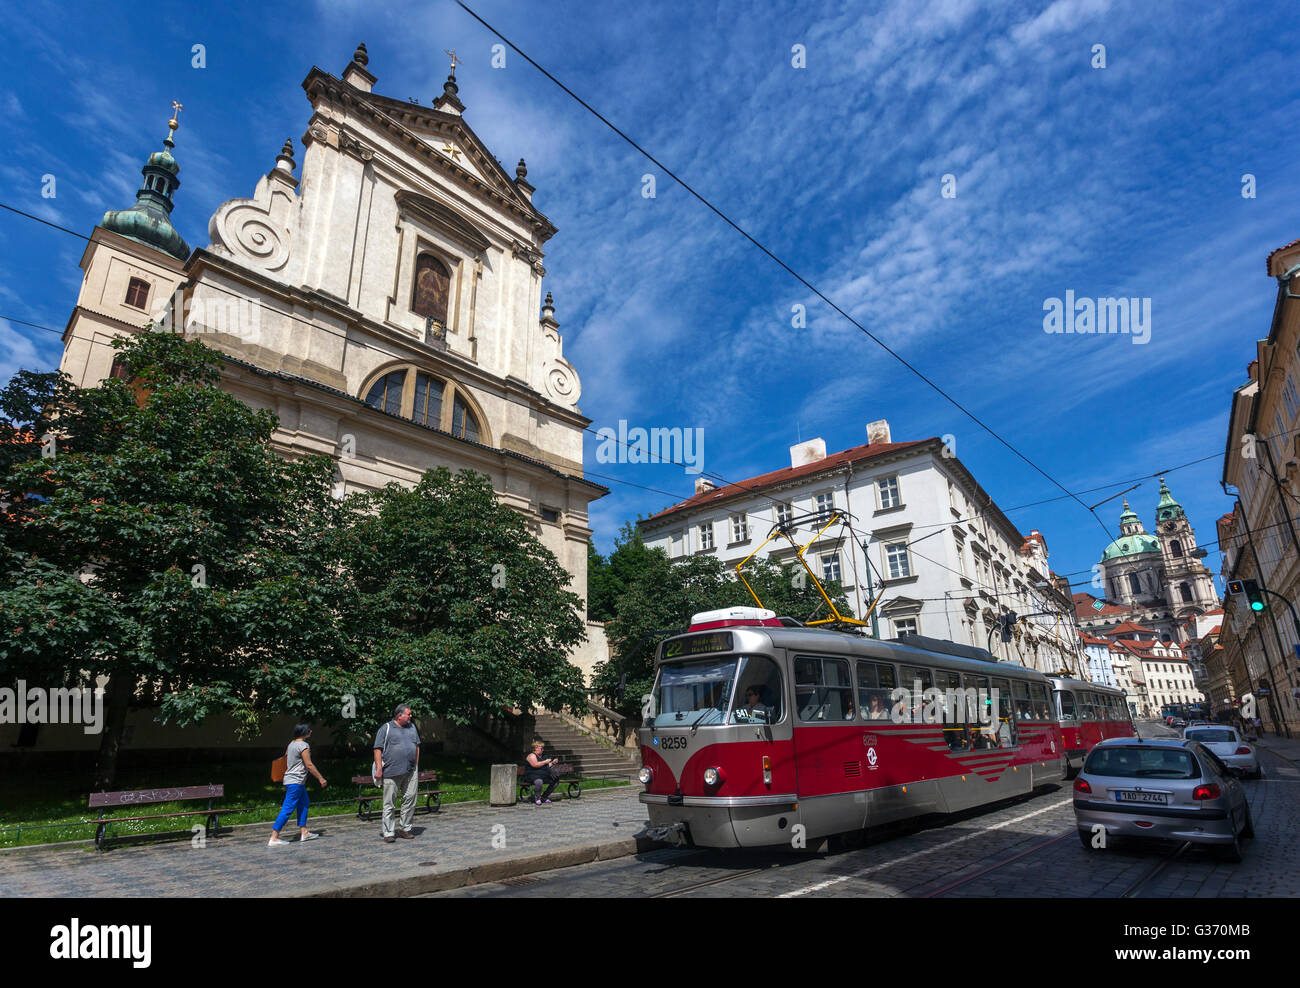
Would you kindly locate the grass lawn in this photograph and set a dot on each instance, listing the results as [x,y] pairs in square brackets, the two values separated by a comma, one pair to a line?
[33,800]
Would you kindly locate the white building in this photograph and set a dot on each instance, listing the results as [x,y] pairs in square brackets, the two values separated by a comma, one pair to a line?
[385,302]
[949,559]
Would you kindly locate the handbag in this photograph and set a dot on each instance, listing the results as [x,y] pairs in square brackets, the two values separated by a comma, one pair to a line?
[279,767]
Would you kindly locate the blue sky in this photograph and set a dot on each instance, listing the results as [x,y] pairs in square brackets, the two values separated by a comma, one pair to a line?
[1122,180]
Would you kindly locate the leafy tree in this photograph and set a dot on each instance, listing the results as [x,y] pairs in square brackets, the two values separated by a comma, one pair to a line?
[164,545]
[661,598]
[608,579]
[456,607]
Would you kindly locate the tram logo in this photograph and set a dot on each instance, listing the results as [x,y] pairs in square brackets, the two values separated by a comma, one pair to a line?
[951,706]
[872,758]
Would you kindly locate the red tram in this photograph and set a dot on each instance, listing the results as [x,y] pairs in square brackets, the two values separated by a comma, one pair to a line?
[1088,713]
[757,729]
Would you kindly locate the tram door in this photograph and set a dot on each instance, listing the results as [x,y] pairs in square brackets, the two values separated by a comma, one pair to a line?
[828,745]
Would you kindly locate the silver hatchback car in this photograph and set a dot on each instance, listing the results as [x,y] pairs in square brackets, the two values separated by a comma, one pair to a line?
[1168,788]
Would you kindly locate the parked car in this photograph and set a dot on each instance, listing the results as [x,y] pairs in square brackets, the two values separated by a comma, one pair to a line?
[1227,742]
[1171,788]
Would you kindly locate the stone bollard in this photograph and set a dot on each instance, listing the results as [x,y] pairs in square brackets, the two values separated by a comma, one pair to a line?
[503,786]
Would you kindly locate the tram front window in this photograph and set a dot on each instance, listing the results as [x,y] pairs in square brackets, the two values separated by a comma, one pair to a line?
[694,694]
[758,696]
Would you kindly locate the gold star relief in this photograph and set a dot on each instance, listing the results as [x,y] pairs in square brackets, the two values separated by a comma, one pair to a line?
[453,152]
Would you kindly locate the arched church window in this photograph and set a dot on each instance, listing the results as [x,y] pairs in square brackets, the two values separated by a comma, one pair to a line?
[430,401]
[432,284]
[386,393]
[1186,591]
[1175,548]
[1134,583]
[427,408]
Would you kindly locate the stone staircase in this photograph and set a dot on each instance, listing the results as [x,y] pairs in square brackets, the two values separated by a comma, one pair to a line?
[594,759]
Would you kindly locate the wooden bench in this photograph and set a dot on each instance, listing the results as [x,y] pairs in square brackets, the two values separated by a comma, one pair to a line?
[432,797]
[104,801]
[572,788]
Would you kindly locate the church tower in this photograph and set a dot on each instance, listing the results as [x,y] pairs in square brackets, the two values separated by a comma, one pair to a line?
[1188,586]
[1131,564]
[133,262]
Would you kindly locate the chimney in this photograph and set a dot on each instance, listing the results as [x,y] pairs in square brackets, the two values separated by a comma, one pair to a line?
[878,432]
[809,452]
[703,484]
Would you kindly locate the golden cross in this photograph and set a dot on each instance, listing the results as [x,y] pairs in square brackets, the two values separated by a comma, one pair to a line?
[454,60]
[176,109]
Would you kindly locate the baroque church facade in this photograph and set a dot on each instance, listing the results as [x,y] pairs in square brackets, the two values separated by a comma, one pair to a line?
[382,299]
[1155,580]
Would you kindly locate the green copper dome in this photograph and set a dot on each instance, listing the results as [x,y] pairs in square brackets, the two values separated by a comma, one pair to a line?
[1131,545]
[149,221]
[1168,508]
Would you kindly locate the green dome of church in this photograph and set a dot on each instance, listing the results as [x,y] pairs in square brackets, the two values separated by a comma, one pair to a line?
[149,221]
[1131,545]
[1168,509]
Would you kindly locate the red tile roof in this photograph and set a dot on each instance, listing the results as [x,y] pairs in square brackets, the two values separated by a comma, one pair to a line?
[854,455]
[1268,264]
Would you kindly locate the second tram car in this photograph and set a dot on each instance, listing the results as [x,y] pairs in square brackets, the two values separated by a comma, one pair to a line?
[1088,713]
[759,728]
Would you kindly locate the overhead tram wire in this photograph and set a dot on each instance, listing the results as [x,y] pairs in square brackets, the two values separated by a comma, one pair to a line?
[786,267]
[1210,547]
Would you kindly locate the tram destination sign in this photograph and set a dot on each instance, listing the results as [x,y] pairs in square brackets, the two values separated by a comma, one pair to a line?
[714,641]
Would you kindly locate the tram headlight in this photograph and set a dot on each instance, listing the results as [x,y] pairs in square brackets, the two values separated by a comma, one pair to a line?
[713,776]
[644,776]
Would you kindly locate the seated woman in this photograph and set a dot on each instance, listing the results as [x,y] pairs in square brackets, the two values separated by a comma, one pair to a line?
[538,771]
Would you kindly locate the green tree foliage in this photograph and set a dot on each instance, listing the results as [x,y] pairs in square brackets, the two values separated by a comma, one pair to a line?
[608,579]
[663,595]
[456,607]
[166,546]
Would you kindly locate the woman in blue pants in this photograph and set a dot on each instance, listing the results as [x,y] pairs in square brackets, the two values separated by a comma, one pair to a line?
[297,765]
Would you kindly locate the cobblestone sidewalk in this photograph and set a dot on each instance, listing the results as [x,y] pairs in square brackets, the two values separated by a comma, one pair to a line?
[461,845]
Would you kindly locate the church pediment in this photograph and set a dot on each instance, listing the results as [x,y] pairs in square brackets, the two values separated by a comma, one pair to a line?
[442,217]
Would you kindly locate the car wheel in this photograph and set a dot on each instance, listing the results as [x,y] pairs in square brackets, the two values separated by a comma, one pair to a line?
[1259,772]
[1085,838]
[1248,830]
[1232,852]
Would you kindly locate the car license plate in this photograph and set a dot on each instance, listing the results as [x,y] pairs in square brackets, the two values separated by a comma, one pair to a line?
[1128,796]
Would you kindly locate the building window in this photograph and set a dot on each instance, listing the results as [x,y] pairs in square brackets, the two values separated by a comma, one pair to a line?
[432,284]
[897,562]
[825,504]
[739,528]
[1175,548]
[706,535]
[425,399]
[428,401]
[784,513]
[550,515]
[830,568]
[904,626]
[1134,583]
[961,553]
[1292,398]
[386,393]
[1186,591]
[888,488]
[137,293]
[1279,439]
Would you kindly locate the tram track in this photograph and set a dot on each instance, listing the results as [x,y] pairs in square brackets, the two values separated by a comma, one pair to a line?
[934,893]
[709,883]
[1132,891]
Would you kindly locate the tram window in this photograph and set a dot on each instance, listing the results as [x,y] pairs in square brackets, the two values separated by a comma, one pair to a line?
[914,680]
[1024,706]
[875,684]
[1084,700]
[954,709]
[982,720]
[1065,704]
[823,689]
[694,693]
[1038,692]
[1006,723]
[758,692]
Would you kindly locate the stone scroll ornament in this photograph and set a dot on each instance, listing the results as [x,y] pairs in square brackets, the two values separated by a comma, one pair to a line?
[260,230]
[562,381]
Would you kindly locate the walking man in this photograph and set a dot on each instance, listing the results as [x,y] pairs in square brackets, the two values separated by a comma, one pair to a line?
[397,766]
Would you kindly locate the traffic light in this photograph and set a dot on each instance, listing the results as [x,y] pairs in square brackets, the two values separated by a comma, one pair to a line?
[1251,591]
[1008,622]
